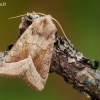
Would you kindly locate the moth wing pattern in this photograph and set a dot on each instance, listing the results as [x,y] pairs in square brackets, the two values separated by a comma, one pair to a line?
[31,55]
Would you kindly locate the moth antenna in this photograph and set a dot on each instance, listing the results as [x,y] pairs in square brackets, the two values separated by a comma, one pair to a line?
[40,13]
[17,16]
[58,25]
[26,14]
[61,30]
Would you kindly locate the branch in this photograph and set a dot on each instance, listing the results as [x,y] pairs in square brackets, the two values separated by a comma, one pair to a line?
[76,69]
[71,65]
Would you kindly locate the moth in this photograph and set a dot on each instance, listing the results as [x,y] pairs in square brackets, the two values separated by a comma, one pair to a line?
[30,57]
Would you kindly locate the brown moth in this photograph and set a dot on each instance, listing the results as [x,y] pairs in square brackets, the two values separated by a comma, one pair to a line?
[30,57]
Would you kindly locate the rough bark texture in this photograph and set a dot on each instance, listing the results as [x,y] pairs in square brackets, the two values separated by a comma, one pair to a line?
[76,69]
[73,67]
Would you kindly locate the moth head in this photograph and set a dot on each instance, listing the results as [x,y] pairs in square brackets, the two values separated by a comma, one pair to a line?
[44,26]
[45,20]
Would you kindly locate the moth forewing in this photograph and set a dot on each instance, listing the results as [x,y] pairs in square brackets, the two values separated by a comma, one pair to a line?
[31,54]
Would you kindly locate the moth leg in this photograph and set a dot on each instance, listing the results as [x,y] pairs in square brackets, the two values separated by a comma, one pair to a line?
[15,69]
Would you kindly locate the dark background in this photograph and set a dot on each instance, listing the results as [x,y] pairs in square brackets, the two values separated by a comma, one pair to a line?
[81,21]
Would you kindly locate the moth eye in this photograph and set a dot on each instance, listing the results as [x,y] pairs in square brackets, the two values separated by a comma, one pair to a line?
[36,16]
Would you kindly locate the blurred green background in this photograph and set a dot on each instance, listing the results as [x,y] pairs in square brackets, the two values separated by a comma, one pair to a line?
[81,21]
